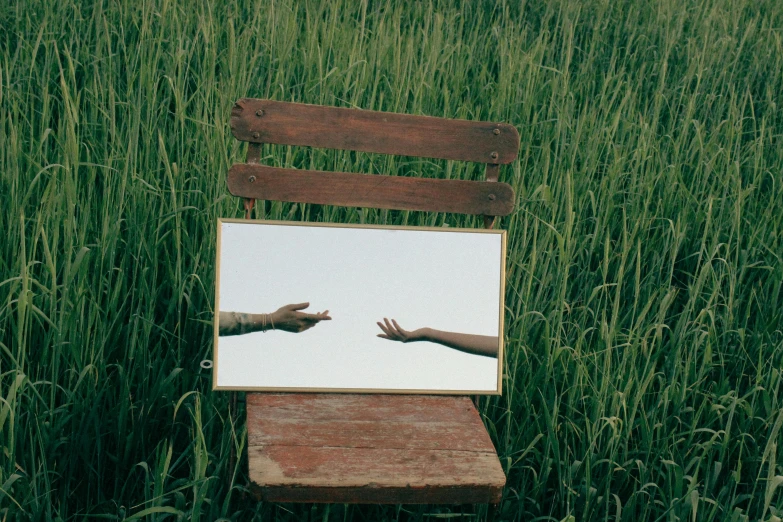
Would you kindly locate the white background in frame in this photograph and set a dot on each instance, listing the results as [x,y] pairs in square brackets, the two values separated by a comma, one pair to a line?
[444,280]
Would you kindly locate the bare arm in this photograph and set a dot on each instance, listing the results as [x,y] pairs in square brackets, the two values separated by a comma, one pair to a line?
[287,318]
[485,345]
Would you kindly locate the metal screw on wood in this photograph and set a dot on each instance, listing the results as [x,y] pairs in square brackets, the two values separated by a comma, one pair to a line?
[493,155]
[256,135]
[251,179]
[260,112]
[496,132]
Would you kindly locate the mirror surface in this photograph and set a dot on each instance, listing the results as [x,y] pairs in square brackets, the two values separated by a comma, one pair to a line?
[439,289]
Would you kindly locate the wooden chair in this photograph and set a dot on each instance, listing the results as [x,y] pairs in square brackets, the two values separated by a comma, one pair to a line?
[353,448]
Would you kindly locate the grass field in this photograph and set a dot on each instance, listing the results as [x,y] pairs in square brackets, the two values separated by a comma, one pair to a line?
[645,284]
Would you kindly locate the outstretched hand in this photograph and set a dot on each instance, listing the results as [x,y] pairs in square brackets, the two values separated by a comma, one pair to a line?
[290,319]
[486,345]
[394,332]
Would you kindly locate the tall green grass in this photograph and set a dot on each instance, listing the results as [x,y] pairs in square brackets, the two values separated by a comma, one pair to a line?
[645,284]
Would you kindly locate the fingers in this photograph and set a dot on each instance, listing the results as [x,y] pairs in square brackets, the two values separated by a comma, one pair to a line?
[320,316]
[399,328]
[294,321]
[307,321]
[391,332]
[294,307]
[313,318]
[307,317]
[394,329]
[385,331]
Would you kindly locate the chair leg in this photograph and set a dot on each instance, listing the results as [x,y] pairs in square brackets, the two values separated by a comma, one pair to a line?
[492,510]
[232,413]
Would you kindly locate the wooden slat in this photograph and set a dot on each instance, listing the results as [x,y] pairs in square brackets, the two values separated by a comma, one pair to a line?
[360,407]
[283,123]
[377,434]
[373,475]
[375,191]
[492,173]
[370,448]
[415,423]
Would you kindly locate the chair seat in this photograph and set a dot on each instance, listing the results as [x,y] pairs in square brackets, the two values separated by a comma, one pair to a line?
[384,449]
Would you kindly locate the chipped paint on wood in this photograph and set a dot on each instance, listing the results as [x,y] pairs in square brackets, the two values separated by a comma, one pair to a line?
[370,448]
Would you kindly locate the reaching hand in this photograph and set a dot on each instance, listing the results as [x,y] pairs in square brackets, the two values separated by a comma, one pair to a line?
[393,332]
[289,318]
[486,345]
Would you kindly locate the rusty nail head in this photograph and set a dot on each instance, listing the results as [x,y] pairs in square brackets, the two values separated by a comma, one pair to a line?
[496,132]
[491,197]
[260,112]
[256,135]
[493,155]
[251,179]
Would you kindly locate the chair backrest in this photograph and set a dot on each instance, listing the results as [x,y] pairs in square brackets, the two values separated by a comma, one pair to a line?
[265,121]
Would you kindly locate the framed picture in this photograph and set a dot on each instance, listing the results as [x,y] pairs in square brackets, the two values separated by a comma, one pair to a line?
[319,307]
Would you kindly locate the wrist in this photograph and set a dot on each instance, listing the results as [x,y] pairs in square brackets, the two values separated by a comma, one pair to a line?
[263,322]
[422,334]
[273,320]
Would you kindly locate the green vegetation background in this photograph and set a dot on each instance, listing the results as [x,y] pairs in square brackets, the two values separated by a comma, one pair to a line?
[644,298]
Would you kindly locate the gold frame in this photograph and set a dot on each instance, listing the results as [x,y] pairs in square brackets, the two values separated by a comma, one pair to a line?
[215,321]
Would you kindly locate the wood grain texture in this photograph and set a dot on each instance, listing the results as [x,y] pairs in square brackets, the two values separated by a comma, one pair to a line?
[492,174]
[284,123]
[370,448]
[370,190]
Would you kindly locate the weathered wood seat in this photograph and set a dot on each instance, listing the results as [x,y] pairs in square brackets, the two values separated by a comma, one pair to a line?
[352,448]
[370,448]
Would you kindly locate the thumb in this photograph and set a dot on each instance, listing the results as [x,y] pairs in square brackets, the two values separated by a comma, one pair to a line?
[300,306]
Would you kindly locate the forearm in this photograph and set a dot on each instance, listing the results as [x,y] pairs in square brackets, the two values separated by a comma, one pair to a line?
[485,345]
[238,323]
